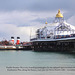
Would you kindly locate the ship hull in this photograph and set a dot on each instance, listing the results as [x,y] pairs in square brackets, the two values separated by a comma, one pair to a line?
[15,48]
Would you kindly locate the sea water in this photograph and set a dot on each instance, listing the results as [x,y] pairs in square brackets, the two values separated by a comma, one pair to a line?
[9,59]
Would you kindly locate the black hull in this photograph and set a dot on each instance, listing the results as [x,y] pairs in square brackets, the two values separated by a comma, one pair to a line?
[26,48]
[57,46]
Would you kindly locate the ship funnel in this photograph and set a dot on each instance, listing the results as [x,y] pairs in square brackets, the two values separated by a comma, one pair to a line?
[18,40]
[12,39]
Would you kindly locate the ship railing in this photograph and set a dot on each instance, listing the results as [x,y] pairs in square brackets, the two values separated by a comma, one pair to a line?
[33,39]
[7,46]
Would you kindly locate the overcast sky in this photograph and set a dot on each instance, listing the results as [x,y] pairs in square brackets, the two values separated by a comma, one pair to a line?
[20,17]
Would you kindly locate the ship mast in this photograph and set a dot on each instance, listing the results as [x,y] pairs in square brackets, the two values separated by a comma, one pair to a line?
[30,33]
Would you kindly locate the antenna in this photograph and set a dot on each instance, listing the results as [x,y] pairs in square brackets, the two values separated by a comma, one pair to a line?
[46,21]
[30,33]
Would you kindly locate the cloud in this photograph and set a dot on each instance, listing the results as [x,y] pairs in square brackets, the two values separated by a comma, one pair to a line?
[36,5]
[19,23]
[8,30]
[71,20]
[24,18]
[19,17]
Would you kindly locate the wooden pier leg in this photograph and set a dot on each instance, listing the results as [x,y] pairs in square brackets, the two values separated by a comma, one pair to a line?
[74,45]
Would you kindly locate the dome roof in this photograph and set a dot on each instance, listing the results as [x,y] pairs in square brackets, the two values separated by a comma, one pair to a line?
[59,14]
[46,22]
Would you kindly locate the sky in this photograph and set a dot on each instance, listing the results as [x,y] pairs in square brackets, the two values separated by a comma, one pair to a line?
[20,18]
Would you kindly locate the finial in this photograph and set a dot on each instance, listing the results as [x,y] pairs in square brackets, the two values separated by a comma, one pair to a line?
[59,14]
[46,22]
[59,11]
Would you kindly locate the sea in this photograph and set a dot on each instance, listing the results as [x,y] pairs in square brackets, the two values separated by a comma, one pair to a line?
[36,63]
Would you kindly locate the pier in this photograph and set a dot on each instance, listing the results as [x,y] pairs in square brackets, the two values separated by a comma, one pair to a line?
[54,46]
[56,36]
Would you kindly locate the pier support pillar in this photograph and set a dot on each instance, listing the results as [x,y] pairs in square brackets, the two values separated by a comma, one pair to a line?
[74,45]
